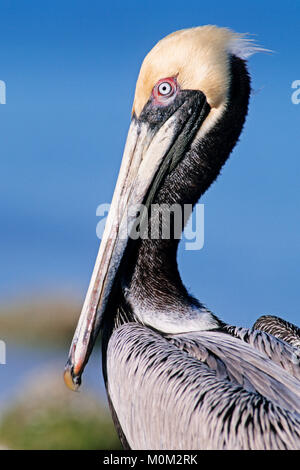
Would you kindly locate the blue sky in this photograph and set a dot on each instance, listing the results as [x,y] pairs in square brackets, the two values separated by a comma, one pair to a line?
[70,69]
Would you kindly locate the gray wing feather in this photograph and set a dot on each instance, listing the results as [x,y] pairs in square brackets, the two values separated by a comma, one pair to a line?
[279,328]
[287,356]
[184,392]
[246,366]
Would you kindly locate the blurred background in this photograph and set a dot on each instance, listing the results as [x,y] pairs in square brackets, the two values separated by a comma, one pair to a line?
[70,70]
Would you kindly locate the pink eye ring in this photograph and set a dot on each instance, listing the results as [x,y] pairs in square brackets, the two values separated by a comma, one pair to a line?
[165,89]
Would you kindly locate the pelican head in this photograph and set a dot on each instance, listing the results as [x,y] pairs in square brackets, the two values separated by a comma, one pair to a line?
[191,98]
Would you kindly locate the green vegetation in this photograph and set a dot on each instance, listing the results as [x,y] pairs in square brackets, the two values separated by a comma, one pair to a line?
[40,322]
[57,429]
[49,416]
[45,414]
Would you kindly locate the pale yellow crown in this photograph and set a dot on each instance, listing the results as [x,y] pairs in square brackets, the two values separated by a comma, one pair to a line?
[198,57]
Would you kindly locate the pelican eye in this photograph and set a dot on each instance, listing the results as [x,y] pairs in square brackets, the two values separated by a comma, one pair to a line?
[165,88]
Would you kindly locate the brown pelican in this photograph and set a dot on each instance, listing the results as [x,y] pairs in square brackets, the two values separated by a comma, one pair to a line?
[177,377]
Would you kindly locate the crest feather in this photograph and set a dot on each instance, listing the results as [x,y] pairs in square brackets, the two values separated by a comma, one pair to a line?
[243,47]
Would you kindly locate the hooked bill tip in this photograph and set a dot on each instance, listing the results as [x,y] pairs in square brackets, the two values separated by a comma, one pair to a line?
[72,381]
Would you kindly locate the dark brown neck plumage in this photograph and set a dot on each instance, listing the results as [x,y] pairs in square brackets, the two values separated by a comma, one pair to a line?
[150,267]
